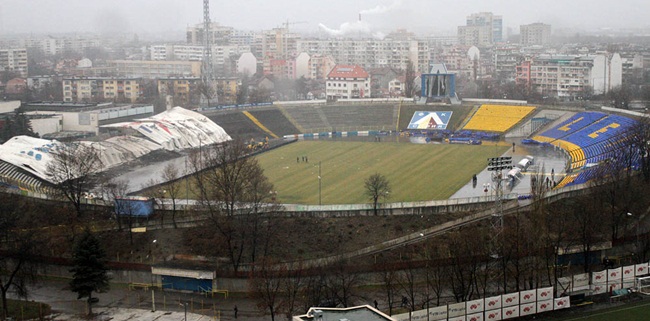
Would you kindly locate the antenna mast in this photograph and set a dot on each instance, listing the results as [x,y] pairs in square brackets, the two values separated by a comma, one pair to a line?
[207,63]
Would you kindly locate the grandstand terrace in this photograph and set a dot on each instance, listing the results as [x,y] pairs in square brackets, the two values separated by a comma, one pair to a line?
[236,124]
[343,117]
[588,137]
[357,117]
[569,126]
[497,118]
[275,121]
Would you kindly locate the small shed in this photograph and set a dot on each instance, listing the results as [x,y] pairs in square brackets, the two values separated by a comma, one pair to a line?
[134,206]
[185,279]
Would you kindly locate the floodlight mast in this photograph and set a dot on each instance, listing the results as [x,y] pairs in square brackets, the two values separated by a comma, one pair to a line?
[497,165]
[207,78]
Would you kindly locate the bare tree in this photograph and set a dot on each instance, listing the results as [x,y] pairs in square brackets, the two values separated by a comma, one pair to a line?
[237,196]
[172,187]
[408,280]
[377,187]
[125,209]
[409,78]
[293,288]
[152,189]
[73,167]
[18,264]
[266,286]
[389,285]
[342,283]
[589,226]
[113,190]
[640,140]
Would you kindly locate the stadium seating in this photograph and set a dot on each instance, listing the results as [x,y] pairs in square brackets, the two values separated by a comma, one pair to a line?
[13,176]
[588,137]
[570,126]
[497,118]
[275,121]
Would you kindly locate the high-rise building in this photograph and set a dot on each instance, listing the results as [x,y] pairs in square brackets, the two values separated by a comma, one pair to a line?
[482,29]
[219,35]
[535,34]
[14,60]
[571,76]
[371,54]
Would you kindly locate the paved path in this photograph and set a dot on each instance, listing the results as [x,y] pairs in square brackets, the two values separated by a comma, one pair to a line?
[119,304]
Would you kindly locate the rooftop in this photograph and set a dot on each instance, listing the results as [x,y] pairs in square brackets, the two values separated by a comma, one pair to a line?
[347,71]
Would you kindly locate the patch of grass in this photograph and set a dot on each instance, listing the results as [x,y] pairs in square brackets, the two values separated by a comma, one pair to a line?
[416,172]
[627,312]
[26,310]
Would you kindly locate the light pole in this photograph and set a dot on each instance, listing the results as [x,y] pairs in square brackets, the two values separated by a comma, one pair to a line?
[636,244]
[151,249]
[184,304]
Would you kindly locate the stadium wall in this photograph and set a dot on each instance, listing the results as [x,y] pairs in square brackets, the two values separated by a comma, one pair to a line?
[350,210]
[495,101]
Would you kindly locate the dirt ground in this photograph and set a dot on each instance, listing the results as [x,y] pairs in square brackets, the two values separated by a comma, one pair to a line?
[295,238]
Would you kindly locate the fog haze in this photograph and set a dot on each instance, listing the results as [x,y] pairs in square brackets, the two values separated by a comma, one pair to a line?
[422,16]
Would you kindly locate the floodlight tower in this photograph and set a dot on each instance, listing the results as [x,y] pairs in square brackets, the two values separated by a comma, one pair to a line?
[206,64]
[497,165]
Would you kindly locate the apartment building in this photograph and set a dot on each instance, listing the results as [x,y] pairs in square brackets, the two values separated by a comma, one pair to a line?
[568,77]
[155,69]
[176,52]
[14,60]
[224,58]
[371,53]
[347,82]
[219,35]
[55,46]
[320,66]
[84,89]
[482,29]
[182,89]
[227,88]
[535,34]
[506,58]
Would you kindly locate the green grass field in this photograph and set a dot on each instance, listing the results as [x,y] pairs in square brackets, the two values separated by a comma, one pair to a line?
[637,312]
[416,172]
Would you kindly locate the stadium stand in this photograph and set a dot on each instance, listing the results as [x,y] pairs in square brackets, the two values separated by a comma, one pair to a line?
[588,137]
[237,125]
[341,118]
[275,121]
[356,117]
[570,126]
[593,140]
[497,118]
[12,176]
[309,118]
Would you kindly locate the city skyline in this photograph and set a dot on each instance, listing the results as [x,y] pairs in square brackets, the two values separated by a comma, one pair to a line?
[336,17]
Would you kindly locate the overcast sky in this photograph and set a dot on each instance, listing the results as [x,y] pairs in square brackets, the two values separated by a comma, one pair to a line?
[381,16]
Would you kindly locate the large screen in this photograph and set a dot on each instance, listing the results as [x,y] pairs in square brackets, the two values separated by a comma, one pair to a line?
[430,120]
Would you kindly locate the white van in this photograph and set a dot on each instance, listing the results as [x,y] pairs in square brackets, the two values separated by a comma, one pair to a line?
[525,163]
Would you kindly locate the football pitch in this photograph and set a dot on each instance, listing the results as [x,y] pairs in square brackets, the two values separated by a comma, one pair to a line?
[637,312]
[416,172]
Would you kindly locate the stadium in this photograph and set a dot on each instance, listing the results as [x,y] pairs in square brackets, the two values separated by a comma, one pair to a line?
[428,152]
[440,159]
